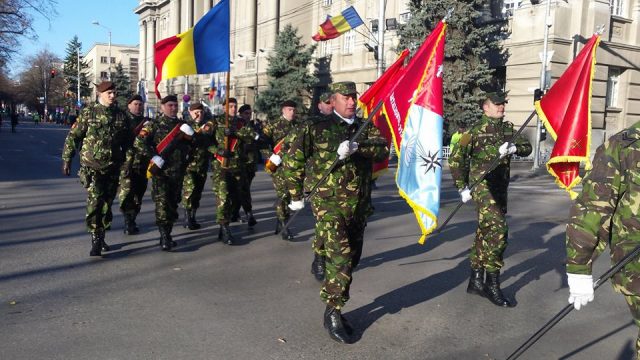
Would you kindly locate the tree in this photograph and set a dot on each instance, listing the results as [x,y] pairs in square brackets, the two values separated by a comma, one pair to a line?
[122,83]
[16,19]
[35,80]
[288,73]
[473,51]
[70,72]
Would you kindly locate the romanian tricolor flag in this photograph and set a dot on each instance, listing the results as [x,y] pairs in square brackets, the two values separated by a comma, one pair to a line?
[370,98]
[566,113]
[203,49]
[338,25]
[414,109]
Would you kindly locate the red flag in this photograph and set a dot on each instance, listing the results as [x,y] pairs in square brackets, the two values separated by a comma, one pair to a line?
[566,113]
[370,98]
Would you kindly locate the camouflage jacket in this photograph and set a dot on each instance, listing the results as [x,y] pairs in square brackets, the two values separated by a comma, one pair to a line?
[152,134]
[104,135]
[136,161]
[478,148]
[312,151]
[276,131]
[607,210]
[245,134]
[200,156]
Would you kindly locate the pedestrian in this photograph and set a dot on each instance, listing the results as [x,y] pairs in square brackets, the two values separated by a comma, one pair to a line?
[276,133]
[105,134]
[455,137]
[485,141]
[340,204]
[133,175]
[251,156]
[228,168]
[167,142]
[199,160]
[606,213]
[14,120]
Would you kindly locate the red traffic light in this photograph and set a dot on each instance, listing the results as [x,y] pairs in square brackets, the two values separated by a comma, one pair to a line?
[53,73]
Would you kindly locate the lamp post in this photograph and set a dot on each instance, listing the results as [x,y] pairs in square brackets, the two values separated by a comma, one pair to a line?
[255,94]
[543,82]
[97,23]
[44,80]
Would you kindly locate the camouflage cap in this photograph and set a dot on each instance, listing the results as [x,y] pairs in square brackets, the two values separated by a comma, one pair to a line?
[497,97]
[105,85]
[344,88]
[325,97]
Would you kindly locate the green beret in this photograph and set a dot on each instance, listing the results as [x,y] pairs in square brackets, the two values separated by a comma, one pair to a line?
[196,106]
[498,97]
[168,98]
[288,103]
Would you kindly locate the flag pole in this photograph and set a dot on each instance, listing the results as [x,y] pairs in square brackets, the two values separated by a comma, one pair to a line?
[484,175]
[225,160]
[335,162]
[567,309]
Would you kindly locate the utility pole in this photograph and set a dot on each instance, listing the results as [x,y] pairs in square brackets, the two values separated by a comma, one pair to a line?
[543,83]
[78,104]
[381,28]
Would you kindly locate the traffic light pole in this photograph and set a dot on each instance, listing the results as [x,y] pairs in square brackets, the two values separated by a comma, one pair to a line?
[543,84]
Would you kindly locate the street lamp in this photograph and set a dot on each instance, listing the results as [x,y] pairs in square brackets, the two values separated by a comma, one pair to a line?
[44,79]
[97,23]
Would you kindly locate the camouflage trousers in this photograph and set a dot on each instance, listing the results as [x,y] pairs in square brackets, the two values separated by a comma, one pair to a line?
[226,186]
[101,191]
[245,192]
[166,193]
[491,235]
[133,185]
[282,194]
[342,236]
[192,187]
[634,306]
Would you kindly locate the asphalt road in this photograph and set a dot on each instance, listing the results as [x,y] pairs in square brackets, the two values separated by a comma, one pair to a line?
[258,300]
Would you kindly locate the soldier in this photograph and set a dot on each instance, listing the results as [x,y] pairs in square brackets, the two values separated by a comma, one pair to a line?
[324,105]
[167,141]
[477,149]
[606,212]
[133,175]
[339,204]
[199,159]
[228,167]
[251,157]
[276,133]
[104,133]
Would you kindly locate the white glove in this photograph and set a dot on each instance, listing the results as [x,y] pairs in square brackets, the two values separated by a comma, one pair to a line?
[185,128]
[580,289]
[296,205]
[465,194]
[507,149]
[275,159]
[345,149]
[159,161]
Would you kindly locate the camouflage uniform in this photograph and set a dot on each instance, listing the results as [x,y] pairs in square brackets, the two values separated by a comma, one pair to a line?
[340,204]
[606,213]
[227,181]
[468,162]
[250,158]
[199,159]
[133,176]
[166,187]
[105,134]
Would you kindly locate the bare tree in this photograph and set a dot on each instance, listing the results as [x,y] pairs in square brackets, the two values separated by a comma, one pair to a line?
[16,20]
[36,80]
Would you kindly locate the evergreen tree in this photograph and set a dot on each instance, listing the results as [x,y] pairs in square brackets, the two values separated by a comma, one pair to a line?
[289,77]
[123,85]
[70,71]
[473,50]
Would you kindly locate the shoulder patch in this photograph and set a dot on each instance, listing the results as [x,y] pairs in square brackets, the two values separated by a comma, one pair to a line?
[143,133]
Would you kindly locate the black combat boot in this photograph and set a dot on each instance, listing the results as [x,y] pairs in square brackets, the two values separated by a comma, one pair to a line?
[97,237]
[190,220]
[334,323]
[130,226]
[492,290]
[225,235]
[278,227]
[476,282]
[317,267]
[284,231]
[166,242]
[251,221]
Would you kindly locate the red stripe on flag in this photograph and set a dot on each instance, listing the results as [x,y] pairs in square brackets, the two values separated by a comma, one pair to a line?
[162,50]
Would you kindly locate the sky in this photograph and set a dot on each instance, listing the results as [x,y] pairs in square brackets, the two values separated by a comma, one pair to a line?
[75,17]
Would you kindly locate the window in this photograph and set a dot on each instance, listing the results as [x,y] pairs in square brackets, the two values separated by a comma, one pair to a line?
[103,75]
[325,48]
[613,87]
[404,17]
[113,60]
[349,42]
[103,59]
[617,7]
[509,6]
[327,2]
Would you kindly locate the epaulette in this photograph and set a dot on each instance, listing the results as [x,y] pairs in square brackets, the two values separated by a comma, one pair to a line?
[628,137]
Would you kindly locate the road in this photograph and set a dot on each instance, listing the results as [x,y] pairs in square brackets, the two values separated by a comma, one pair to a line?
[258,300]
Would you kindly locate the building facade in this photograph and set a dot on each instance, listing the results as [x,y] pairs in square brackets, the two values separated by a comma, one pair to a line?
[102,59]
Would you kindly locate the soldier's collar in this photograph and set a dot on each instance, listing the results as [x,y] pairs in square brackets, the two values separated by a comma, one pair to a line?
[348,121]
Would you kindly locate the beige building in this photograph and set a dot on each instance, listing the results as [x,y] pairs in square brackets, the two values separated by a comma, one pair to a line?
[97,58]
[255,24]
